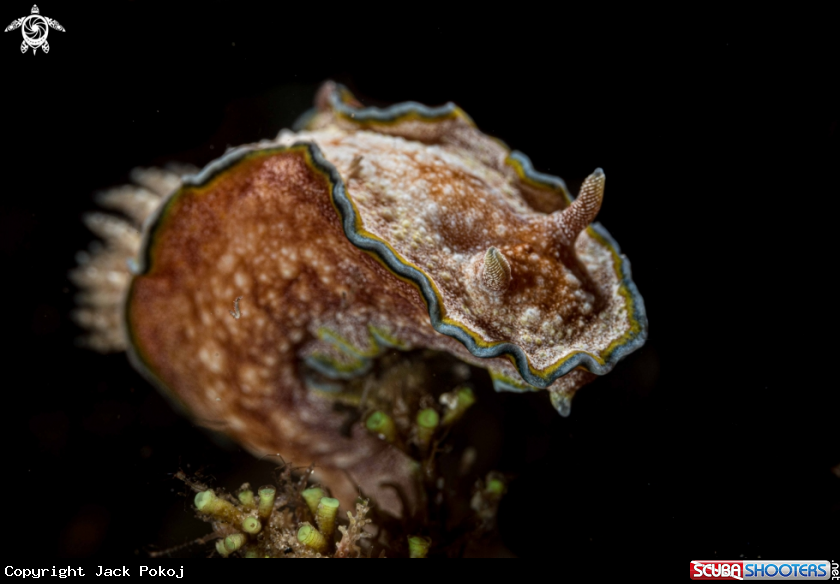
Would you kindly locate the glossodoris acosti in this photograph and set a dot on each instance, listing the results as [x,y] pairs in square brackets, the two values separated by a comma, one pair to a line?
[365,229]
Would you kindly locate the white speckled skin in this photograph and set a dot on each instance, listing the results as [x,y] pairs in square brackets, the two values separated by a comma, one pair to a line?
[366,230]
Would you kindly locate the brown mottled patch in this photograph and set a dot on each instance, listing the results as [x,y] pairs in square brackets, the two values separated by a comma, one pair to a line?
[434,194]
[264,230]
[441,211]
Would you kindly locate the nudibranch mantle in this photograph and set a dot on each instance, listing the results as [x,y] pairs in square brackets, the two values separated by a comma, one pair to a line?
[427,194]
[365,229]
[451,210]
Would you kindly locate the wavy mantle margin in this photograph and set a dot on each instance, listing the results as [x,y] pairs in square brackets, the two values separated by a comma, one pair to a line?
[358,236]
[598,364]
[352,224]
[341,100]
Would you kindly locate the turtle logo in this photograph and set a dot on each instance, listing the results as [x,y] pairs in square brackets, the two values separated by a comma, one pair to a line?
[35,28]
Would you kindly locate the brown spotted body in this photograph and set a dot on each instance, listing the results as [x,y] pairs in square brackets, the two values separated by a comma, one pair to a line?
[244,375]
[371,229]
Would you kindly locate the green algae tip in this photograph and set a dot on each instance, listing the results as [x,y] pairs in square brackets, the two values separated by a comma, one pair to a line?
[221,549]
[381,423]
[312,497]
[207,502]
[418,546]
[427,423]
[266,502]
[466,397]
[312,538]
[428,419]
[325,515]
[203,499]
[251,525]
[496,487]
[328,502]
[460,401]
[234,542]
[247,498]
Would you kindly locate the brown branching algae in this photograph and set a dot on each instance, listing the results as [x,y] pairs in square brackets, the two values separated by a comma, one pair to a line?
[283,525]
[450,514]
[363,231]
[298,520]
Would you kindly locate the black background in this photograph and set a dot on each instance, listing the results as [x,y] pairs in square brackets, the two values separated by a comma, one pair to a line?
[719,136]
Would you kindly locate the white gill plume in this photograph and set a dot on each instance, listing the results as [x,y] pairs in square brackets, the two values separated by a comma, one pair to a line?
[103,271]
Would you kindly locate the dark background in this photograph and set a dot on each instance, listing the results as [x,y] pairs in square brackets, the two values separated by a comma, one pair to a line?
[718,133]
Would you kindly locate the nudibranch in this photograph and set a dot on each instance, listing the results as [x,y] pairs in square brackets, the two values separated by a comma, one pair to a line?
[362,230]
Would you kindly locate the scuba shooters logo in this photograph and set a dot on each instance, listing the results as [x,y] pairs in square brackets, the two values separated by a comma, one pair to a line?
[764,570]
